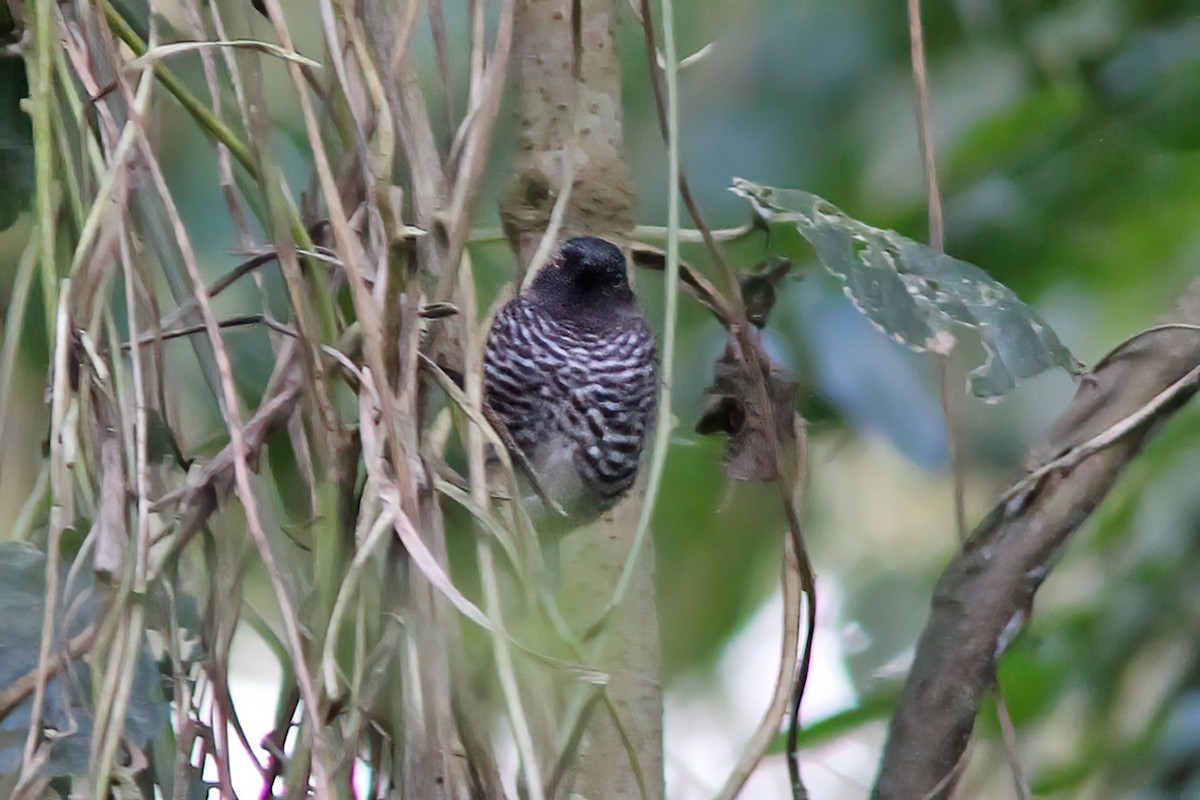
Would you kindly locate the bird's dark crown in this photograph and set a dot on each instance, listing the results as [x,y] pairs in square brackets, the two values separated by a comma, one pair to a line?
[586,275]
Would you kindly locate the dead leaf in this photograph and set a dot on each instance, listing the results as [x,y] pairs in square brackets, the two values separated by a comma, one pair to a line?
[733,409]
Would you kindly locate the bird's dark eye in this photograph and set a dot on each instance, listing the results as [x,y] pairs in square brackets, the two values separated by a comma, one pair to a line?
[588,278]
[597,277]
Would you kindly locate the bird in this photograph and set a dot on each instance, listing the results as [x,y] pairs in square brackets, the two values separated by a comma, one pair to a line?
[570,372]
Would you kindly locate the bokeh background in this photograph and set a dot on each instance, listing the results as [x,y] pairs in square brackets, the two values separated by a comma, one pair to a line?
[1067,139]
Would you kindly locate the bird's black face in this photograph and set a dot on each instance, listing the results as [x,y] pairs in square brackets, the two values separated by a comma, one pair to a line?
[586,271]
[592,263]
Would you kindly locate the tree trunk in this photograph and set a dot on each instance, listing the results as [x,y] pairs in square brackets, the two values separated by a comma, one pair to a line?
[570,141]
[570,110]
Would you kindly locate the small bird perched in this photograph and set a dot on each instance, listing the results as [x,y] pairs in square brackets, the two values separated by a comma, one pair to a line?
[571,373]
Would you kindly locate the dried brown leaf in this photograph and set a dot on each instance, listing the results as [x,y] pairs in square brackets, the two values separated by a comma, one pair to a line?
[734,408]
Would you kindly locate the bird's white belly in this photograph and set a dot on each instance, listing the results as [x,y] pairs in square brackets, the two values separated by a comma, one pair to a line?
[554,463]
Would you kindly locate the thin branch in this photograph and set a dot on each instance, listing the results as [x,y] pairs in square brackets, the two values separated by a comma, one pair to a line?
[575,731]
[366,549]
[549,239]
[472,143]
[694,235]
[663,425]
[41,98]
[1008,733]
[19,690]
[685,190]
[119,672]
[937,241]
[509,687]
[772,718]
[239,321]
[1152,410]
[350,249]
[631,751]
[14,323]
[808,583]
[937,230]
[698,286]
[957,468]
[497,435]
[208,121]
[1137,337]
[640,232]
[164,51]
[283,392]
[759,368]
[60,488]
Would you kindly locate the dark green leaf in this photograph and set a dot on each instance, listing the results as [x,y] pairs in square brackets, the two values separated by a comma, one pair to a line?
[16,143]
[68,705]
[876,705]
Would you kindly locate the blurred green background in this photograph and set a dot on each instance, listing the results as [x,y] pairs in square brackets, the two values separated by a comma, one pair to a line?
[1068,139]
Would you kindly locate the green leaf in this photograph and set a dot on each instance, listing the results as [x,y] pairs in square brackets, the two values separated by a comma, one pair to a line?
[876,705]
[1034,679]
[16,143]
[68,707]
[916,295]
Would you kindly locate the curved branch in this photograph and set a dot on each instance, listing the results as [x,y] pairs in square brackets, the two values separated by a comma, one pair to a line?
[985,595]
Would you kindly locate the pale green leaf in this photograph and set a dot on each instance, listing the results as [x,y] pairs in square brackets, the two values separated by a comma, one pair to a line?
[917,295]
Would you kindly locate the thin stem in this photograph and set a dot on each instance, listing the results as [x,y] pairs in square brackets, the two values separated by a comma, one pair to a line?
[378,535]
[662,428]
[14,324]
[937,231]
[200,112]
[956,465]
[522,735]
[134,621]
[60,488]
[1008,733]
[242,480]
[756,748]
[19,690]
[41,95]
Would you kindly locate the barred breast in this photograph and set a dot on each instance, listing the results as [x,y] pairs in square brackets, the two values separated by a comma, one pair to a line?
[577,398]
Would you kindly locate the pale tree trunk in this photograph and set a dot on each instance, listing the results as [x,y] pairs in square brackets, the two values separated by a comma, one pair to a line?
[592,560]
[570,107]
[569,80]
